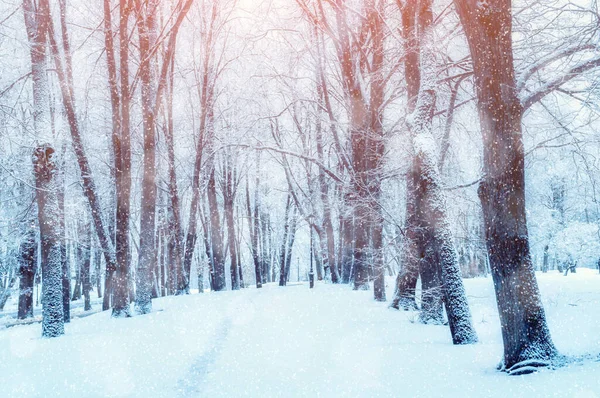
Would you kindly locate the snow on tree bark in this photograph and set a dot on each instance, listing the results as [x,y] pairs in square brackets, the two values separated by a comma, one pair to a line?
[27,271]
[440,251]
[46,183]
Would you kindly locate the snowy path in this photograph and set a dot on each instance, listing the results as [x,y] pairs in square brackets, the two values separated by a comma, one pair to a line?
[289,342]
[191,385]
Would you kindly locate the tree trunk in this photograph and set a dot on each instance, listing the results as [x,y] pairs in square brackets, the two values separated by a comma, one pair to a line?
[89,187]
[376,149]
[120,101]
[439,260]
[284,244]
[290,245]
[219,282]
[146,26]
[97,268]
[253,227]
[266,248]
[182,274]
[50,237]
[406,281]
[27,271]
[527,341]
[68,69]
[85,268]
[77,288]
[324,195]
[66,269]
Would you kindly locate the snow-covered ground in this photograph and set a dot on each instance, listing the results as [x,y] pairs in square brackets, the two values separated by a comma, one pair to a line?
[292,341]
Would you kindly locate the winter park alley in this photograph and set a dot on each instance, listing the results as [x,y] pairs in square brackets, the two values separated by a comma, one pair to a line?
[296,342]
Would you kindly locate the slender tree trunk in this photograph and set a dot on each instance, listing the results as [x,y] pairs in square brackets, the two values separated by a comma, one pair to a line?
[27,271]
[89,187]
[346,243]
[266,248]
[146,27]
[216,240]
[117,277]
[97,265]
[85,268]
[406,281]
[376,149]
[228,188]
[404,296]
[324,192]
[253,228]
[290,244]
[36,23]
[182,273]
[77,288]
[527,341]
[284,240]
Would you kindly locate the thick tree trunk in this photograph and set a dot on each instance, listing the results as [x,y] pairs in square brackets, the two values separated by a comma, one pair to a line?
[46,183]
[89,187]
[440,257]
[527,341]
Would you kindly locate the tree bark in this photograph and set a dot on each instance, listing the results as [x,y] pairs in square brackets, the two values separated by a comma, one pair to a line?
[146,26]
[46,183]
[89,187]
[253,227]
[216,240]
[406,281]
[117,277]
[85,268]
[27,271]
[290,244]
[284,242]
[440,258]
[527,341]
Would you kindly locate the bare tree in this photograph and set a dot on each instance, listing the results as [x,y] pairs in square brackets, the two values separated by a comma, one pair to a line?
[527,341]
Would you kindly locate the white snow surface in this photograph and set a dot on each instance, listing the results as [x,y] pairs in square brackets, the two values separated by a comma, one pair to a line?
[294,342]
